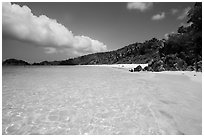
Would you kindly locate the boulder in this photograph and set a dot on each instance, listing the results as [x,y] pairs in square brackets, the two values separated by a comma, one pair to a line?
[138,68]
[131,70]
[145,68]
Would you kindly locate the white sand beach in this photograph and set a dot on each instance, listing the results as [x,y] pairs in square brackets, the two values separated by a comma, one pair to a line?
[100,101]
[46,89]
[125,66]
[195,76]
[173,97]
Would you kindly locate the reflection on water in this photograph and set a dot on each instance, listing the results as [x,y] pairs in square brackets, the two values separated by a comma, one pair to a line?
[94,100]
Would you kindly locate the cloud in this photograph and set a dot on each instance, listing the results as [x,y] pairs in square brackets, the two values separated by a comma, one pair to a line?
[19,23]
[84,44]
[50,50]
[142,6]
[184,13]
[174,11]
[159,16]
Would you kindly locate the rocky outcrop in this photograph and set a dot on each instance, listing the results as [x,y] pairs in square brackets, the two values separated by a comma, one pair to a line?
[138,69]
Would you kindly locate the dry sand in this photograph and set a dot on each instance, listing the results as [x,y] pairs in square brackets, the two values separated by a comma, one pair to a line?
[100,101]
[124,66]
[173,97]
[195,76]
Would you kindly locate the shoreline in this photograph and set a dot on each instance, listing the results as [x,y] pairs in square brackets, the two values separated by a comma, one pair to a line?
[193,75]
[125,66]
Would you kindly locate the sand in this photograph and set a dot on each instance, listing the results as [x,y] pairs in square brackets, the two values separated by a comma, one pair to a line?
[100,100]
[124,66]
[195,76]
[174,98]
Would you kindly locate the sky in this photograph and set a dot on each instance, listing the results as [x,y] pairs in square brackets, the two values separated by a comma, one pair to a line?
[39,31]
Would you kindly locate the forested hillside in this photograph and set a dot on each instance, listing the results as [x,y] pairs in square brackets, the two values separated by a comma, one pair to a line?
[180,51]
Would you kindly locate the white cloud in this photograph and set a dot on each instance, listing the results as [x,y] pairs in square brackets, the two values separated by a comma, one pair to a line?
[84,44]
[20,23]
[174,11]
[184,13]
[142,6]
[50,50]
[159,16]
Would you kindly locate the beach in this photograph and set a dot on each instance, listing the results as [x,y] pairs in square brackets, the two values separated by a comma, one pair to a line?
[195,76]
[69,68]
[105,100]
[124,66]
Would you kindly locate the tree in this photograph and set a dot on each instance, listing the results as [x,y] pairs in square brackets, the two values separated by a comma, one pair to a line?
[187,42]
[195,17]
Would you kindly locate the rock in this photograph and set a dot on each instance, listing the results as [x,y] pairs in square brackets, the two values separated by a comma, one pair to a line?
[138,68]
[145,68]
[131,70]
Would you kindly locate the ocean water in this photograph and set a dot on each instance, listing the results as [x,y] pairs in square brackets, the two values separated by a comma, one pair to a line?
[98,100]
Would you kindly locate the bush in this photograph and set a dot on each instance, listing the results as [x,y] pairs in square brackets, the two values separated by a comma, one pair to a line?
[190,68]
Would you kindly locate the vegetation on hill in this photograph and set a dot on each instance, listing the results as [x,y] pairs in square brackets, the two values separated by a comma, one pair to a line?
[15,62]
[134,53]
[181,51]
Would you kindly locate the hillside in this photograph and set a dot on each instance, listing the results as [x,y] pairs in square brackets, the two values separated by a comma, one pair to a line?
[15,62]
[180,51]
[133,53]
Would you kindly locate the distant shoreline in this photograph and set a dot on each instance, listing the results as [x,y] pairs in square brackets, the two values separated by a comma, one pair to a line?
[126,66]
[193,75]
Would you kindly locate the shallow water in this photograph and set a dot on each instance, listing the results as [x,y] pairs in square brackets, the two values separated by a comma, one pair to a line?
[98,100]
